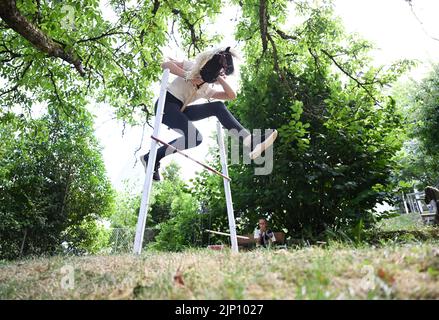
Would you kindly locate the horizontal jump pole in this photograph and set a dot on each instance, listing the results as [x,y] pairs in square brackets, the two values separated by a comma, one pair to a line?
[190,158]
[226,234]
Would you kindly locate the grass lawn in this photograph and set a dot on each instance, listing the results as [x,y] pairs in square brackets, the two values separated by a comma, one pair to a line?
[336,271]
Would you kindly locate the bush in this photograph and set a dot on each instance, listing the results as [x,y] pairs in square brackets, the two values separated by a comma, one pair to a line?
[182,230]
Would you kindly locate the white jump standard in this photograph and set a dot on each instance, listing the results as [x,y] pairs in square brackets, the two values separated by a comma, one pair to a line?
[141,221]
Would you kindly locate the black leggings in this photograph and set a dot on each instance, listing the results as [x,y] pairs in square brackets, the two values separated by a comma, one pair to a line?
[181,122]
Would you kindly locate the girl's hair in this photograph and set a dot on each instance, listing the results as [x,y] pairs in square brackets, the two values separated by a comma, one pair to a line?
[202,58]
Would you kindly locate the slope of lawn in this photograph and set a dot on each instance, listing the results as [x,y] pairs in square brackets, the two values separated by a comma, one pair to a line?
[402,264]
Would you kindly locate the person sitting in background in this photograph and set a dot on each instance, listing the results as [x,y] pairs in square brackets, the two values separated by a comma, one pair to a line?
[264,237]
[432,199]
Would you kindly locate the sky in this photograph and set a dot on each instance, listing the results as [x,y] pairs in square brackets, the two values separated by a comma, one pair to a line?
[396,31]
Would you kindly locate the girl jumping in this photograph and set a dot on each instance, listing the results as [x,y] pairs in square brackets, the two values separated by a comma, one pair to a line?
[192,83]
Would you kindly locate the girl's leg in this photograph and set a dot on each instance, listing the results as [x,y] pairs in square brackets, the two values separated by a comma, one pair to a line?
[179,122]
[218,109]
[257,144]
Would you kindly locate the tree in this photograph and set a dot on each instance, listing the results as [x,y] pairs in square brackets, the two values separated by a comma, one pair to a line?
[164,193]
[67,51]
[338,130]
[53,188]
[164,207]
[208,189]
[315,83]
[174,212]
[182,229]
[427,110]
[126,208]
[61,56]
[418,161]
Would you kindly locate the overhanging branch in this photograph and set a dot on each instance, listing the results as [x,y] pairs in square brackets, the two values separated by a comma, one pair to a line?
[419,20]
[20,24]
[285,36]
[359,83]
[15,87]
[263,25]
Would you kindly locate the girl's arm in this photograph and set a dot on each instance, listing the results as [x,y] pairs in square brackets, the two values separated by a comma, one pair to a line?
[227,94]
[174,67]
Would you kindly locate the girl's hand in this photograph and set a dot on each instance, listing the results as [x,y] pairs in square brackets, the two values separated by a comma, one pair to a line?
[221,78]
[197,81]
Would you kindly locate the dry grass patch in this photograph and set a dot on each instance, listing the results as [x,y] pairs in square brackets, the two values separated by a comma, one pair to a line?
[336,272]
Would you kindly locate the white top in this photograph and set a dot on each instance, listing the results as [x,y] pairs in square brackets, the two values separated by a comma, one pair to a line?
[257,234]
[186,91]
[433,206]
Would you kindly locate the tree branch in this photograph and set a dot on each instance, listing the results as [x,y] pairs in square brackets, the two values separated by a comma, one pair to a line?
[275,57]
[156,7]
[148,114]
[263,25]
[359,83]
[20,24]
[419,20]
[316,62]
[191,27]
[15,87]
[37,17]
[141,142]
[284,36]
[106,34]
[12,55]
[55,88]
